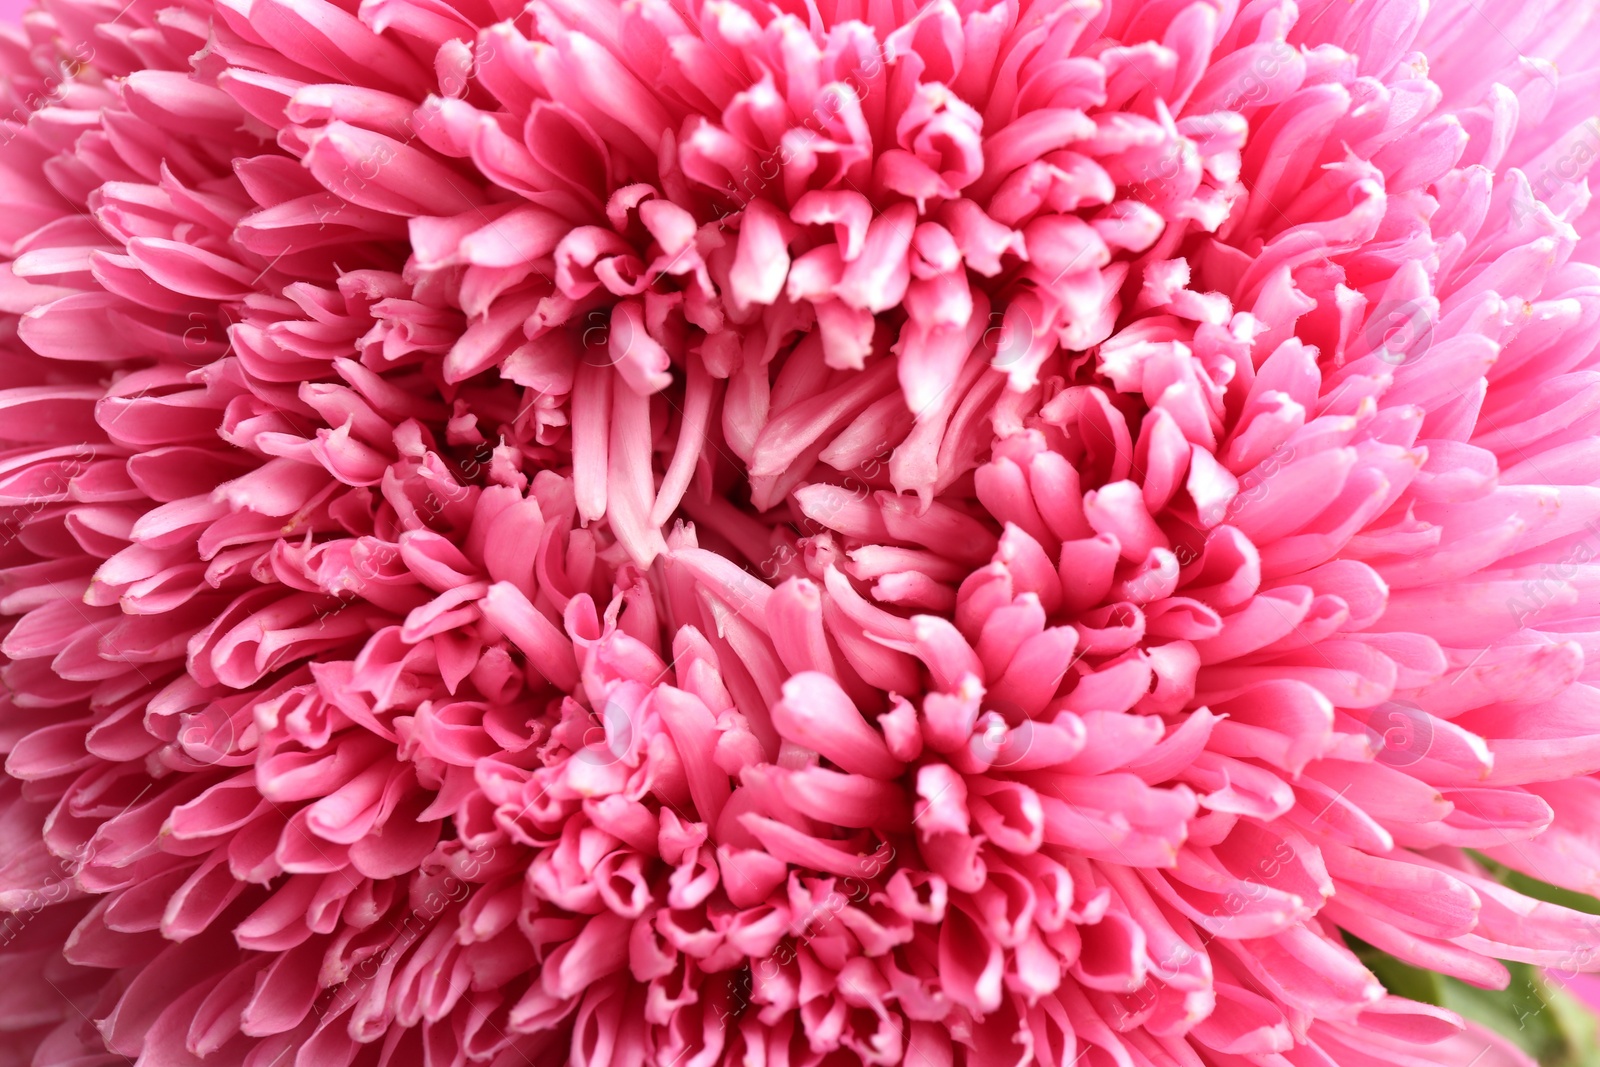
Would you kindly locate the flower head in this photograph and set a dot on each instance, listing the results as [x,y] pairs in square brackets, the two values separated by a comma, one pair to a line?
[994,532]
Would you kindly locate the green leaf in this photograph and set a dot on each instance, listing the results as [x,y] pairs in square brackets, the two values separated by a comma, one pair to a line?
[1533,887]
[1520,1012]
[1533,1012]
[1401,979]
[1579,1026]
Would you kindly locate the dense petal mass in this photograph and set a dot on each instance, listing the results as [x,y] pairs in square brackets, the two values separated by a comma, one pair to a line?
[777,534]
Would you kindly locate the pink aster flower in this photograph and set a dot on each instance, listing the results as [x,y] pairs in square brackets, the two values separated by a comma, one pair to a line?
[778,534]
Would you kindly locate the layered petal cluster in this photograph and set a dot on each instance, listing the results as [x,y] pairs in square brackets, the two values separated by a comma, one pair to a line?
[778,534]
